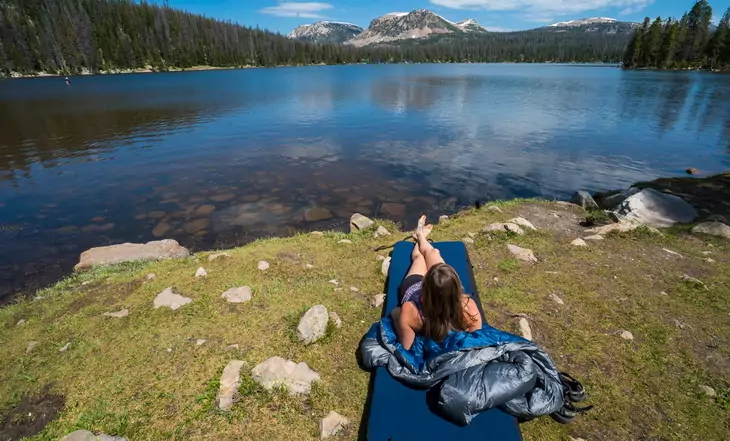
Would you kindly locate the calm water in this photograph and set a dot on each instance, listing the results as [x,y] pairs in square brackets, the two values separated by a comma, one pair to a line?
[215,159]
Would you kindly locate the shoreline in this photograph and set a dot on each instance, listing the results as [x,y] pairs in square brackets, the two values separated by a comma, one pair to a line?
[150,70]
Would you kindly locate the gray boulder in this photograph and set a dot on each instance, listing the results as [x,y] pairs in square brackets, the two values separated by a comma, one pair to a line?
[241,294]
[613,201]
[313,325]
[297,378]
[584,199]
[713,229]
[656,209]
[360,222]
[127,252]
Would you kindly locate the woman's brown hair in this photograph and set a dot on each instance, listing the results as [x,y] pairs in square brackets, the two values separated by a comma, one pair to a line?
[443,308]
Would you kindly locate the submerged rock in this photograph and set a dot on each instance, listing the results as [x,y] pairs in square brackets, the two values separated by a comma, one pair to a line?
[127,252]
[317,214]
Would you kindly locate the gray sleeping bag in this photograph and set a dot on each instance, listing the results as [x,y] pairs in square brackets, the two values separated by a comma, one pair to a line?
[474,372]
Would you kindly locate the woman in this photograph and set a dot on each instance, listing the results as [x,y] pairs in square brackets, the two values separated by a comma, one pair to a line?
[431,299]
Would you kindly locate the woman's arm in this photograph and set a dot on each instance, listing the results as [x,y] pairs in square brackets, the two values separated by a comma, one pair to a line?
[403,322]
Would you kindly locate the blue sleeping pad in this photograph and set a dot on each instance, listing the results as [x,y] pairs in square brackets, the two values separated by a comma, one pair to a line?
[399,413]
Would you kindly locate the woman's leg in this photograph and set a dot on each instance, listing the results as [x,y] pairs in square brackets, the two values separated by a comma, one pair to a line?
[418,263]
[431,255]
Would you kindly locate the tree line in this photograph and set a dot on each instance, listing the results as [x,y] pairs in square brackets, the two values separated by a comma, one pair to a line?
[688,43]
[75,36]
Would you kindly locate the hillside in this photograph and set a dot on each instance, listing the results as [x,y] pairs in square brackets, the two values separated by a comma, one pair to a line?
[400,26]
[650,345]
[326,32]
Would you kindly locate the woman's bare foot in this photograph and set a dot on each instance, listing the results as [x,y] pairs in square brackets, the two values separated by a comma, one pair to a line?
[422,229]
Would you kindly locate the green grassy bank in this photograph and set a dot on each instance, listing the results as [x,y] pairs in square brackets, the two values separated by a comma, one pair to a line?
[146,378]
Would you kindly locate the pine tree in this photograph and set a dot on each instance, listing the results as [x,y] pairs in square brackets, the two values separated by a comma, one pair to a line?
[719,46]
[698,22]
[669,44]
[653,44]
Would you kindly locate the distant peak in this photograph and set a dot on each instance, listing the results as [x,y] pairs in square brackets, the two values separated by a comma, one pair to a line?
[584,21]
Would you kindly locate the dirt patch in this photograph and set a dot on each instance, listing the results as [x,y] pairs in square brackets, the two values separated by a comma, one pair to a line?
[563,220]
[30,416]
[106,294]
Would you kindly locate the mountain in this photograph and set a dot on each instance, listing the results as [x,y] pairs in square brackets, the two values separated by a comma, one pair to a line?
[326,32]
[596,24]
[471,26]
[405,25]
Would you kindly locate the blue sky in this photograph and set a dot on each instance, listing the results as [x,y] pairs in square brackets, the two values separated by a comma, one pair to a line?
[283,16]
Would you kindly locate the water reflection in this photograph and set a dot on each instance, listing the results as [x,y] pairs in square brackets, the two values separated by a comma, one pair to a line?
[217,159]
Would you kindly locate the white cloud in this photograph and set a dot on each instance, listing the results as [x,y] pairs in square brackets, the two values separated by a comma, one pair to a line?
[297,9]
[544,7]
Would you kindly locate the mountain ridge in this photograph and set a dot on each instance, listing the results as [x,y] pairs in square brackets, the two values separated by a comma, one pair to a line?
[423,24]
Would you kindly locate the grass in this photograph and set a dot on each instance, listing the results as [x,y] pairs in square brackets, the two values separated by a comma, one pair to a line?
[143,376]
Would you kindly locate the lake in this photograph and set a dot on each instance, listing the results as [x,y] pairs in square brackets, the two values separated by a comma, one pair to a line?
[216,159]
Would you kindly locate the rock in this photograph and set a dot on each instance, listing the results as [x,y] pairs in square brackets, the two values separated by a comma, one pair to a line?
[84,283]
[162,229]
[713,229]
[229,383]
[393,210]
[126,252]
[381,257]
[523,223]
[65,347]
[334,282]
[213,257]
[313,325]
[85,435]
[201,272]
[575,439]
[522,253]
[242,294]
[335,319]
[385,266]
[205,210]
[332,424]
[297,378]
[710,392]
[579,243]
[594,237]
[354,289]
[157,214]
[692,171]
[196,225]
[717,218]
[626,335]
[673,253]
[696,283]
[233,347]
[223,197]
[31,346]
[506,227]
[656,209]
[309,266]
[620,227]
[525,329]
[317,214]
[263,265]
[613,201]
[679,324]
[554,297]
[119,314]
[377,300]
[359,222]
[585,200]
[168,298]
[443,218]
[150,276]
[709,260]
[514,228]
[345,241]
[317,233]
[21,322]
[381,231]
[494,208]
[468,240]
